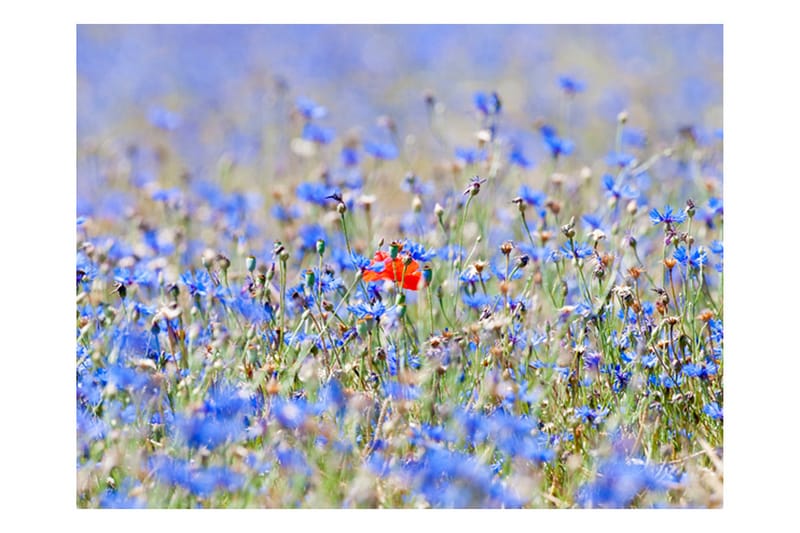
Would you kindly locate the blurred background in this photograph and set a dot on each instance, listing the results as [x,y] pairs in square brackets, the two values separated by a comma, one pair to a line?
[263,108]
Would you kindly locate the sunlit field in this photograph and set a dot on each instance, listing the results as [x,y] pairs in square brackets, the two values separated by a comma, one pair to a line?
[399,267]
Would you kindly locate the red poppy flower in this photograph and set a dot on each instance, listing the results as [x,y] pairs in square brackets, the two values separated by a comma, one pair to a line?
[394,270]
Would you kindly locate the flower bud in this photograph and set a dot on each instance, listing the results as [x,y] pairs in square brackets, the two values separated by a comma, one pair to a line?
[427,275]
[250,263]
[394,249]
[320,247]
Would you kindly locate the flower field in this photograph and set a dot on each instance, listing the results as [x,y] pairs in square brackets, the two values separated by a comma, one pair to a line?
[399,267]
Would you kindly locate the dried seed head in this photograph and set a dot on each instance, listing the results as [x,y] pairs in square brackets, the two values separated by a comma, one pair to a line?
[223,262]
[705,315]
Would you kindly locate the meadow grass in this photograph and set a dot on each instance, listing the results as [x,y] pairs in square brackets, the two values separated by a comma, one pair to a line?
[358,322]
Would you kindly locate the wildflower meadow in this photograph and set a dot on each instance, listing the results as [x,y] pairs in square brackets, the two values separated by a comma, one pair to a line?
[399,267]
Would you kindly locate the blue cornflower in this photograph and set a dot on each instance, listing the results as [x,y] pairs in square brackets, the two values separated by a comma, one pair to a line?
[327,280]
[557,145]
[308,235]
[286,213]
[477,300]
[517,157]
[417,251]
[576,250]
[400,391]
[318,134]
[292,459]
[138,275]
[619,480]
[715,206]
[197,282]
[413,184]
[470,156]
[309,109]
[365,310]
[614,190]
[532,196]
[361,262]
[385,151]
[668,217]
[487,103]
[315,193]
[619,159]
[697,260]
[471,275]
[713,410]
[498,267]
[120,498]
[198,481]
[350,156]
[571,85]
[593,221]
[291,414]
[634,137]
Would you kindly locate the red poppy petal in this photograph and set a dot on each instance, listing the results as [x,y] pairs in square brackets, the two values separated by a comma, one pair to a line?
[412,281]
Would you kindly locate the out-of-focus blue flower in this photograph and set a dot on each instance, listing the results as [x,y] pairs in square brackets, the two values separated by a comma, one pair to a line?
[571,85]
[618,190]
[138,275]
[309,109]
[291,414]
[164,119]
[307,237]
[478,300]
[400,391]
[557,145]
[385,151]
[350,156]
[634,137]
[487,103]
[120,498]
[517,157]
[619,480]
[292,459]
[318,134]
[620,159]
[315,193]
[201,482]
[470,156]
[285,213]
[587,414]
